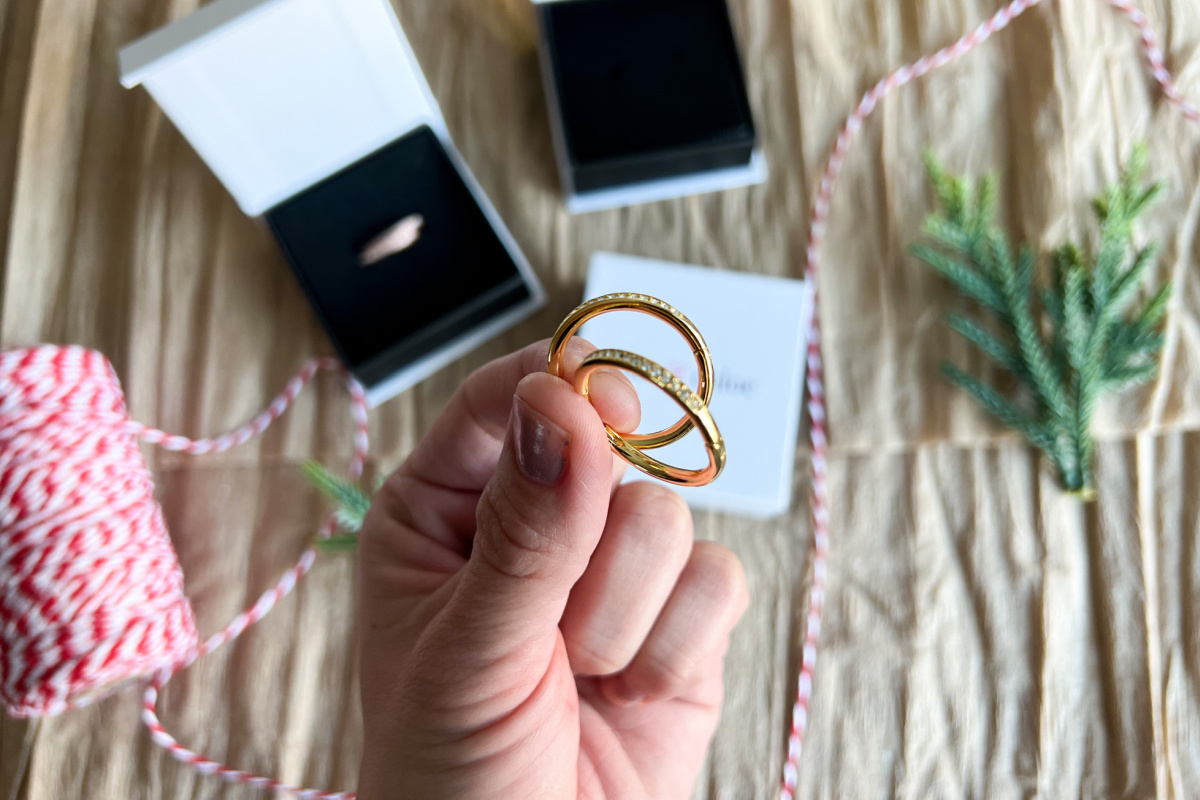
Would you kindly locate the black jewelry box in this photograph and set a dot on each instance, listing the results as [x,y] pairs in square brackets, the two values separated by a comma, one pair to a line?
[384,317]
[316,116]
[646,97]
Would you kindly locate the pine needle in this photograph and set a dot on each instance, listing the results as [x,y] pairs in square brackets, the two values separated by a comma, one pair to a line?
[352,505]
[1069,342]
[999,352]
[1001,408]
[969,282]
[338,543]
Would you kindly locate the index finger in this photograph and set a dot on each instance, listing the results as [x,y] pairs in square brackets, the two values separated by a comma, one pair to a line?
[462,448]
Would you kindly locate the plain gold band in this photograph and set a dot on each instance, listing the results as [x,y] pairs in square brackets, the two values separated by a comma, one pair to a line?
[696,412]
[644,304]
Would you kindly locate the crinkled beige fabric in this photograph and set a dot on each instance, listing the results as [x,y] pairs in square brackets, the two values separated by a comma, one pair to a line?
[985,636]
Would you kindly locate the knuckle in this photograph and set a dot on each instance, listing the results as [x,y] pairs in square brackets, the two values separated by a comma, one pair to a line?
[507,541]
[665,676]
[721,574]
[673,511]
[388,503]
[384,524]
[534,357]
[659,511]
[591,657]
[666,504]
[578,348]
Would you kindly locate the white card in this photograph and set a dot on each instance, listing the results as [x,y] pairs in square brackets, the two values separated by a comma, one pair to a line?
[755,327]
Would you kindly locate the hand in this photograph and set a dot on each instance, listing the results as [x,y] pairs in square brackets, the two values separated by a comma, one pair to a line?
[527,631]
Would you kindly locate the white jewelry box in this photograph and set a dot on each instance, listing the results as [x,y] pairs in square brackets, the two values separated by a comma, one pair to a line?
[315,115]
[756,328]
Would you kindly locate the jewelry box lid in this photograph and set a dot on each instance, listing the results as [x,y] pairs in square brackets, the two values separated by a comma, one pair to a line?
[276,95]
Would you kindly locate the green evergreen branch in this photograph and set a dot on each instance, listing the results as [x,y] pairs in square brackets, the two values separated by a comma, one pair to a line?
[1130,375]
[352,505]
[1155,310]
[1129,283]
[948,234]
[339,543]
[1077,323]
[1068,342]
[1046,384]
[1002,409]
[968,282]
[999,352]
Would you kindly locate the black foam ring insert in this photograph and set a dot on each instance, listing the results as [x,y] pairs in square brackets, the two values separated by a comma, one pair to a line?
[383,317]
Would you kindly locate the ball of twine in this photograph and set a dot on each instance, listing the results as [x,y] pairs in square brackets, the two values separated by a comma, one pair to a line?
[91,590]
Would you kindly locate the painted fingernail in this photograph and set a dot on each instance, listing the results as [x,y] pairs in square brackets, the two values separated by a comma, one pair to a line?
[540,444]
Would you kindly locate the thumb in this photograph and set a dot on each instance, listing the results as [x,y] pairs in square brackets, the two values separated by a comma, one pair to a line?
[538,521]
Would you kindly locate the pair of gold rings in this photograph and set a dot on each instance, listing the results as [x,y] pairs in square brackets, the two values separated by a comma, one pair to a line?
[631,446]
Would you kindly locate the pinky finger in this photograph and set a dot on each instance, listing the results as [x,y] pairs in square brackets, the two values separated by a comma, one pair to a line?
[686,644]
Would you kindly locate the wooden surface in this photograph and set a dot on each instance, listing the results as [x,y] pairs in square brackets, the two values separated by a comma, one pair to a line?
[985,636]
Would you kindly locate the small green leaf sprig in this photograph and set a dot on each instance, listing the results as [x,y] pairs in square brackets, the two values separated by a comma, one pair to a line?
[1068,343]
[352,505]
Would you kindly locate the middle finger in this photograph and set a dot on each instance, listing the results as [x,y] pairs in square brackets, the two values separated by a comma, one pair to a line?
[613,606]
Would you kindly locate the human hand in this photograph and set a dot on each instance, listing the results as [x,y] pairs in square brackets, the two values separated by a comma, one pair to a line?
[525,629]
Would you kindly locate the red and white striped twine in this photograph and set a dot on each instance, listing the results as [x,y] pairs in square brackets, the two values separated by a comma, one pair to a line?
[91,591]
[816,373]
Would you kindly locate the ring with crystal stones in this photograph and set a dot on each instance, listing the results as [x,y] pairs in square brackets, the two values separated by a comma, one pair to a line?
[697,412]
[645,304]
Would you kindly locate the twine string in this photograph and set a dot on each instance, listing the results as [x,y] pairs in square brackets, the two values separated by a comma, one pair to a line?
[816,371]
[268,599]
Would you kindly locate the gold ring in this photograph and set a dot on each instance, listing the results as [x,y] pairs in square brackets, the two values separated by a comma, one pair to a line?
[696,412]
[395,239]
[654,307]
[694,404]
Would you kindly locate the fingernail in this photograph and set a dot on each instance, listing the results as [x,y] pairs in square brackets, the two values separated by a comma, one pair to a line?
[540,444]
[612,380]
[618,393]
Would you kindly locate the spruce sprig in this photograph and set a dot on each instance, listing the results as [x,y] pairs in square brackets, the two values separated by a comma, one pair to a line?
[352,505]
[1080,336]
